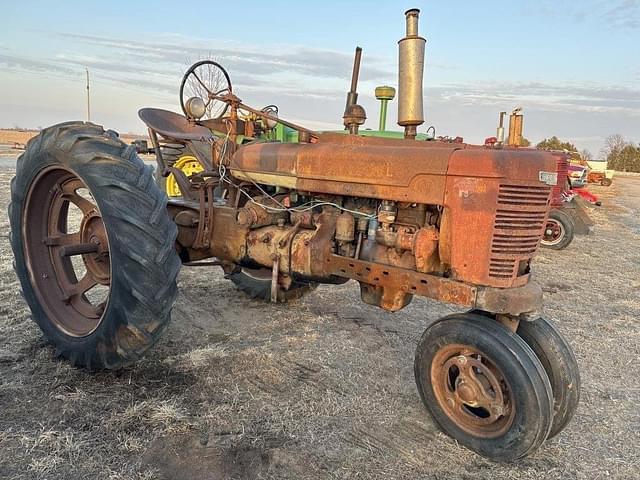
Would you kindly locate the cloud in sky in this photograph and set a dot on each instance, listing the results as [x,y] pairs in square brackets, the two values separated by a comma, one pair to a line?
[242,58]
[310,83]
[613,15]
[308,73]
[545,96]
[623,14]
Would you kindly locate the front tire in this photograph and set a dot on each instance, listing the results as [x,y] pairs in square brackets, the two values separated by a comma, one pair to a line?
[561,366]
[559,230]
[484,386]
[75,176]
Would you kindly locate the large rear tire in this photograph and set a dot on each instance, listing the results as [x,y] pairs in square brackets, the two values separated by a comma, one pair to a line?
[256,283]
[77,176]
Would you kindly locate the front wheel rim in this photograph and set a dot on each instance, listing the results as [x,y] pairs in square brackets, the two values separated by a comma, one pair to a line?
[553,232]
[66,251]
[472,391]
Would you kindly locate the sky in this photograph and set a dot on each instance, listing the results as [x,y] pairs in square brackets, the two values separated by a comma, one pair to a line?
[573,66]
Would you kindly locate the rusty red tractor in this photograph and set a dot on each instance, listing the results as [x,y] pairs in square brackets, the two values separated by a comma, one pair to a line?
[568,215]
[98,245]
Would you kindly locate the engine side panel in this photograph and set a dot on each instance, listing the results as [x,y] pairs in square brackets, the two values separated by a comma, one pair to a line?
[354,166]
[494,201]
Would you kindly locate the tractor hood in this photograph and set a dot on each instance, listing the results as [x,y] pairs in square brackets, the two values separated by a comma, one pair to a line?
[383,168]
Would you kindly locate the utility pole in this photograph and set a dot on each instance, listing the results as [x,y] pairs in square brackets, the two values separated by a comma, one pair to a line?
[88,99]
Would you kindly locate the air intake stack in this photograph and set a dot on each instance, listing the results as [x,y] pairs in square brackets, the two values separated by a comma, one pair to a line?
[410,74]
[385,95]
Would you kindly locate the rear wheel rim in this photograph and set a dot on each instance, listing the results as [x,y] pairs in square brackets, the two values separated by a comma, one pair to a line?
[67,251]
[472,391]
[190,166]
[553,232]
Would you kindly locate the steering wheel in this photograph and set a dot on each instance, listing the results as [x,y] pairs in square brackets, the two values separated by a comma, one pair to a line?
[205,79]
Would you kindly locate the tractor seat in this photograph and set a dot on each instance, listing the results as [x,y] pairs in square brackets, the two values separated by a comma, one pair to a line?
[173,126]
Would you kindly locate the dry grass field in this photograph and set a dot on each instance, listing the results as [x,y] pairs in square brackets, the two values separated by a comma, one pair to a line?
[319,389]
[9,136]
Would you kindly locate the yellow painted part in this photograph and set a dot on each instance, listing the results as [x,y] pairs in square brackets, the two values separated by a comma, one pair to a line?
[274,179]
[190,166]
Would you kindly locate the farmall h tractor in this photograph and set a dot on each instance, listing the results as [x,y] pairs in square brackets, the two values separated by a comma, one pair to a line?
[98,246]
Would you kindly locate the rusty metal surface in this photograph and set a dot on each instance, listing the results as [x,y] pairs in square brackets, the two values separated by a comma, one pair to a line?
[489,231]
[495,212]
[401,280]
[51,239]
[516,120]
[410,75]
[512,301]
[173,126]
[472,391]
[425,245]
[228,239]
[562,168]
[391,170]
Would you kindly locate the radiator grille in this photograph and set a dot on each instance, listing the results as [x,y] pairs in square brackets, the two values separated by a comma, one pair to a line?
[518,226]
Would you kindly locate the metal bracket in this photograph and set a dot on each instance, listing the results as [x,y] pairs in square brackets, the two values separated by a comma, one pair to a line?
[156,147]
[206,214]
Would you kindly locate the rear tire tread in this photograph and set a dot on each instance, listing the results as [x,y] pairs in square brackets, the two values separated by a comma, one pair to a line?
[261,289]
[132,207]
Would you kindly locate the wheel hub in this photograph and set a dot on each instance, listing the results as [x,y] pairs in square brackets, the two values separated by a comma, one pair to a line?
[92,232]
[466,393]
[472,391]
[553,232]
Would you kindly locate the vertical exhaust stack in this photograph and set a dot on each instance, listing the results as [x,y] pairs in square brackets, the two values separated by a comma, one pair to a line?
[515,128]
[354,114]
[352,95]
[410,74]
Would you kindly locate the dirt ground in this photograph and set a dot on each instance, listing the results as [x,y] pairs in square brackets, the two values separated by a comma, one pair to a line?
[320,389]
